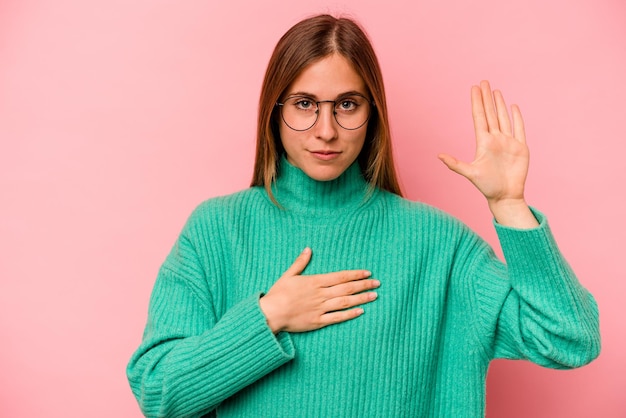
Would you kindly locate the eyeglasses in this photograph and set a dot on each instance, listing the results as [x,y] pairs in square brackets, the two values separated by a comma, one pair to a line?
[300,113]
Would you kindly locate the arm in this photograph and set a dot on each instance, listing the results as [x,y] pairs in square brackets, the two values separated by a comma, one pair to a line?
[190,360]
[533,308]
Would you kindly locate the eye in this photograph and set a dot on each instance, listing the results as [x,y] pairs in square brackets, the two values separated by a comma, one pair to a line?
[303,103]
[347,105]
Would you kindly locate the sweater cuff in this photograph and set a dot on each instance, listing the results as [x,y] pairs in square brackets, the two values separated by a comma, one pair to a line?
[272,350]
[526,244]
[540,217]
[238,351]
[534,262]
[281,341]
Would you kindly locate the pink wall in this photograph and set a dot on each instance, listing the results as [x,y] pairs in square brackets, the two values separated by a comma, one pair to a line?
[117,118]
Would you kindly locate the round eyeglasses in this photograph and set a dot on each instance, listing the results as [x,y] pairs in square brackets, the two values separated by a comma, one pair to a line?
[300,113]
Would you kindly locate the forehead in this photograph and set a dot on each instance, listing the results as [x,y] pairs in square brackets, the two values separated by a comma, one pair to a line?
[328,77]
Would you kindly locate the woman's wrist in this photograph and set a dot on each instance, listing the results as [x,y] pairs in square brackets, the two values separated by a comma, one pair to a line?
[266,308]
[513,213]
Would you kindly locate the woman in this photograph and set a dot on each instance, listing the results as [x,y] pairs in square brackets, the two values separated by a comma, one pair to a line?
[393,308]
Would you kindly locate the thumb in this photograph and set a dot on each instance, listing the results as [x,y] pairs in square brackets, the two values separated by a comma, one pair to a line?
[300,264]
[455,165]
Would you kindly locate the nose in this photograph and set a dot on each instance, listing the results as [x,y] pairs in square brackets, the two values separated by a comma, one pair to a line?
[326,125]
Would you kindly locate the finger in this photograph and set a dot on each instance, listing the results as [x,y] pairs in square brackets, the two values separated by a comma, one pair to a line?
[351,288]
[345,302]
[340,316]
[455,165]
[478,112]
[503,115]
[300,263]
[518,124]
[344,276]
[490,110]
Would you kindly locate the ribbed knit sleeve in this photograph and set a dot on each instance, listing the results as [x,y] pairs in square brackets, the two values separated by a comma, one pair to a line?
[534,308]
[190,359]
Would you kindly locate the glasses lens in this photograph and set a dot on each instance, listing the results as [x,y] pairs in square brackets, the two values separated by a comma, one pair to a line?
[300,113]
[351,112]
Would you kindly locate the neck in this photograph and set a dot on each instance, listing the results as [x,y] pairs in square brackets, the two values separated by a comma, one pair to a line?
[296,192]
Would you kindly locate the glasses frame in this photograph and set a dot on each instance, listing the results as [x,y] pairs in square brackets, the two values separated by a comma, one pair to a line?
[317,112]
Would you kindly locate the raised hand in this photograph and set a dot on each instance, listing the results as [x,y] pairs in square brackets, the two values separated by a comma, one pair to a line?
[501,160]
[298,303]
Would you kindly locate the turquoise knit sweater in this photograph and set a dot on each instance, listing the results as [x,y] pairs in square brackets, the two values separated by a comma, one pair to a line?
[446,307]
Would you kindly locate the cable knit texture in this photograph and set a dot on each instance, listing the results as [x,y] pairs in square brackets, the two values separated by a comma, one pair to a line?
[446,307]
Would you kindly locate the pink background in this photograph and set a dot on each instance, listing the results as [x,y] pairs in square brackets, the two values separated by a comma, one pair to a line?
[118,117]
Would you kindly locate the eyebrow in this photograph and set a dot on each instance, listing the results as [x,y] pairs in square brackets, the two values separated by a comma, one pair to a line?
[313,96]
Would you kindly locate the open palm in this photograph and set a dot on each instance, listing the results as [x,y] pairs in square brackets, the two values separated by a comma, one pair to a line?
[500,164]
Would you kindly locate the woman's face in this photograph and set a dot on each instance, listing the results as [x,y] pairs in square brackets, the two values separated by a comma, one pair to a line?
[325,150]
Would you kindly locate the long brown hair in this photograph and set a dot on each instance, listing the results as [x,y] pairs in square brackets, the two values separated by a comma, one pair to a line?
[306,42]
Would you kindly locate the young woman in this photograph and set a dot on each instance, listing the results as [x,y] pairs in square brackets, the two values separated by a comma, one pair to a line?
[391,308]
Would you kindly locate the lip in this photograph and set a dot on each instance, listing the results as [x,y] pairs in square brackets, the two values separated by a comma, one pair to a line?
[325,155]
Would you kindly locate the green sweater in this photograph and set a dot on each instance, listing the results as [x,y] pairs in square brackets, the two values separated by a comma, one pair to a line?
[446,307]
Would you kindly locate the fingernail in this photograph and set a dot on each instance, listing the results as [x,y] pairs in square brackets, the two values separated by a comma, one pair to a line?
[367,273]
[376,283]
[372,295]
[306,250]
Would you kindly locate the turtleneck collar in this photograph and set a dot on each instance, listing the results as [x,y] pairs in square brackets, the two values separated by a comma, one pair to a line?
[296,192]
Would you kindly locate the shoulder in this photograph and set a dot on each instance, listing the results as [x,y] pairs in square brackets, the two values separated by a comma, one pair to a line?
[234,202]
[419,210]
[428,223]
[218,211]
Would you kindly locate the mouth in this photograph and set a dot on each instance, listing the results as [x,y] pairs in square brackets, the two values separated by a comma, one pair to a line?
[325,155]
